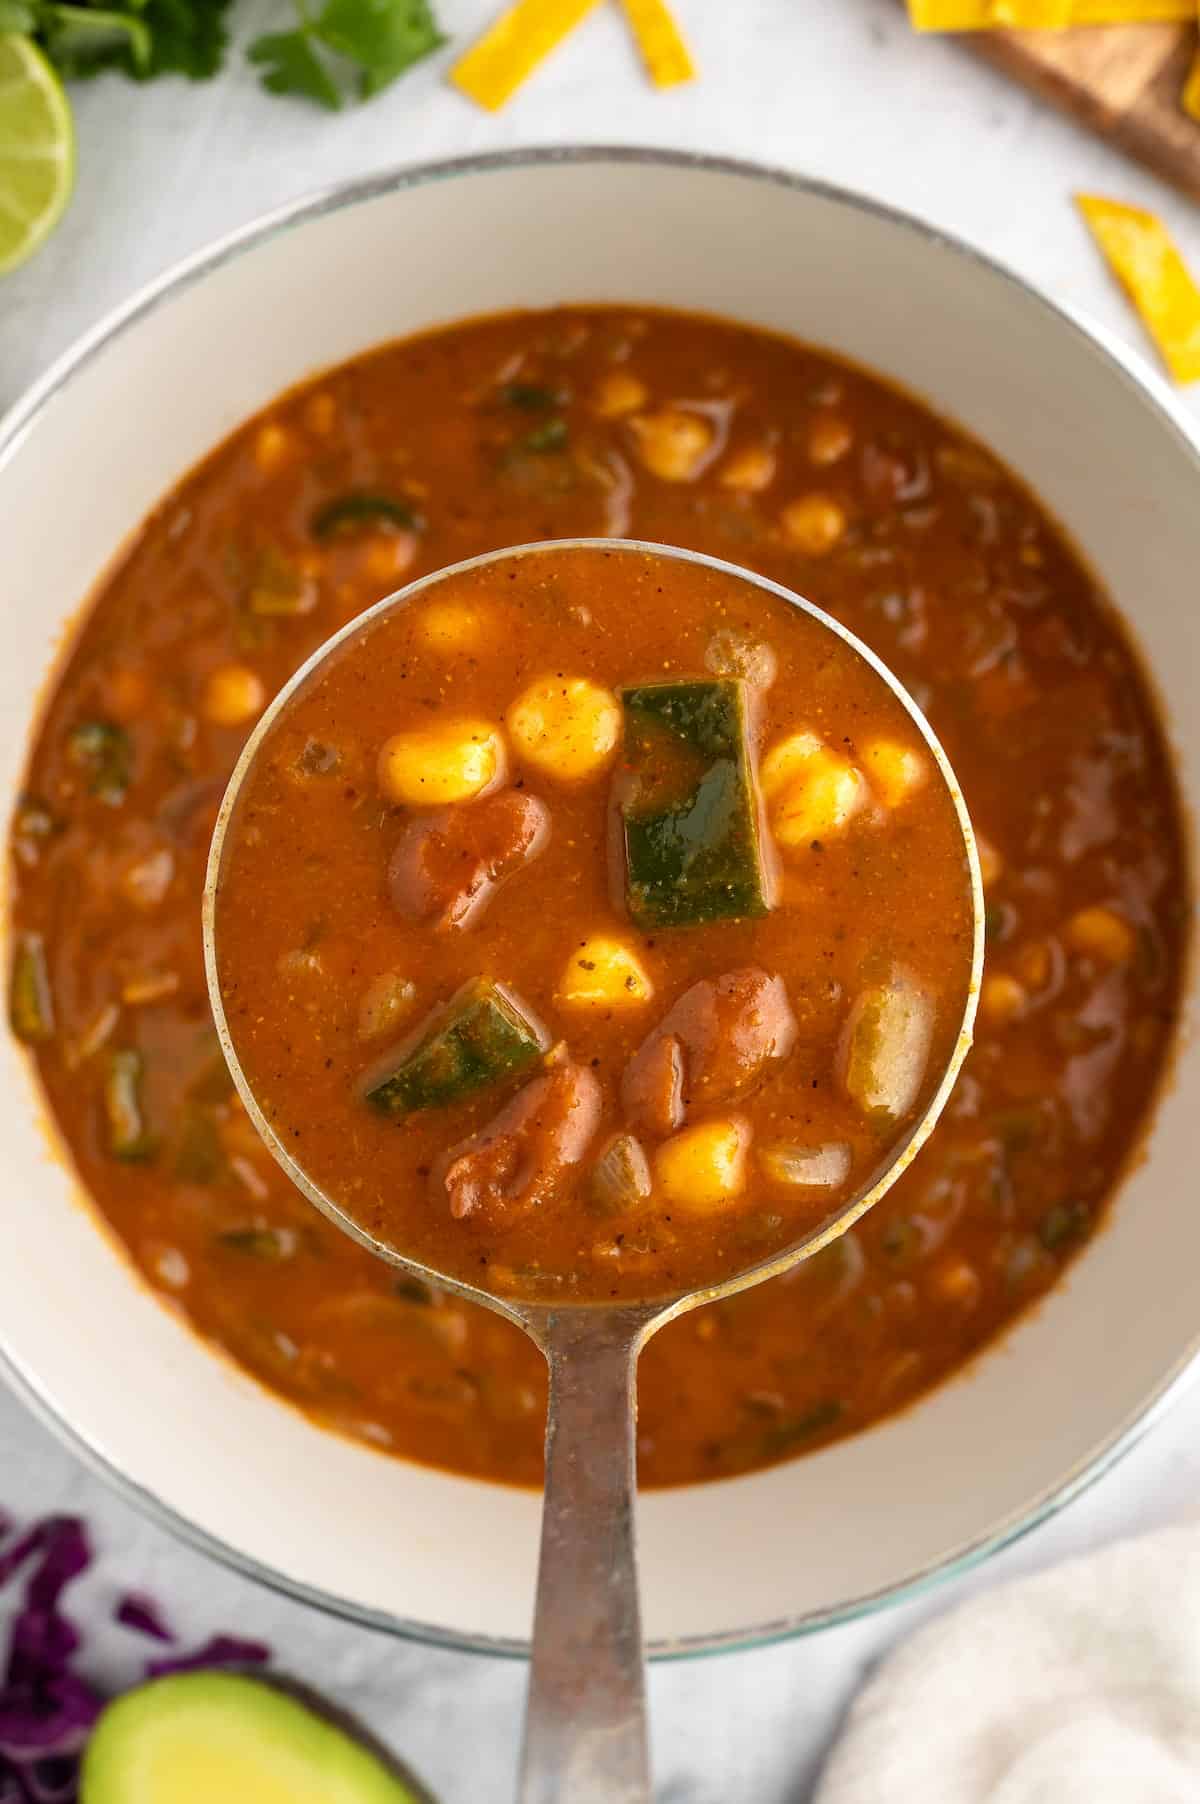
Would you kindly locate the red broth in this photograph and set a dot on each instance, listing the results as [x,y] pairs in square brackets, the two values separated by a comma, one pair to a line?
[726,440]
[594,925]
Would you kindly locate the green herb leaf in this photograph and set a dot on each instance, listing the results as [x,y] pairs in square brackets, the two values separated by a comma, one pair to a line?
[384,37]
[290,65]
[30,1007]
[82,40]
[550,437]
[128,1136]
[267,1244]
[359,508]
[103,752]
[529,397]
[187,37]
[1063,1224]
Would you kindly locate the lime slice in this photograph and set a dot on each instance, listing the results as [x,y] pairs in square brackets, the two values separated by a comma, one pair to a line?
[37,149]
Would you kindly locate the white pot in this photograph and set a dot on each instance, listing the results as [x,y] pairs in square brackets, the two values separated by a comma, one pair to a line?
[118,421]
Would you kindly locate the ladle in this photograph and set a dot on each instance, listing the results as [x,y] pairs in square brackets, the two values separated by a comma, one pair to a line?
[586,1731]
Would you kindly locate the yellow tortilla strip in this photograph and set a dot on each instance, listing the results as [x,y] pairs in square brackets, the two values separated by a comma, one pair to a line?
[494,67]
[664,52]
[1142,255]
[1190,98]
[1041,15]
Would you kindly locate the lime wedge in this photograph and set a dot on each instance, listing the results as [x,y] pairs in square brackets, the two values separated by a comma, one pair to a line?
[37,149]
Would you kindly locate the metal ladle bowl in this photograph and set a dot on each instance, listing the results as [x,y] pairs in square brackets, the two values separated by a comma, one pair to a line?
[586,1736]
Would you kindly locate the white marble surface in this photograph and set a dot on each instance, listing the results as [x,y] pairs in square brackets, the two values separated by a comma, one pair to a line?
[835,88]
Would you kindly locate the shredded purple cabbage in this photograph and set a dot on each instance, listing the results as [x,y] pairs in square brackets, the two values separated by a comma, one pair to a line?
[47,1710]
[137,1611]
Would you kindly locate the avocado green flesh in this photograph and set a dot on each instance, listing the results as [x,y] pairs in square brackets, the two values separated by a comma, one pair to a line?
[216,1738]
[478,1038]
[690,817]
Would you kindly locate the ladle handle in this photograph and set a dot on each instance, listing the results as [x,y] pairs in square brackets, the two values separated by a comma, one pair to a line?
[585,1723]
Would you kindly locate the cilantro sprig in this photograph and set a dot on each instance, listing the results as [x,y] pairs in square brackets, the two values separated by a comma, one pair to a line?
[346,47]
[370,41]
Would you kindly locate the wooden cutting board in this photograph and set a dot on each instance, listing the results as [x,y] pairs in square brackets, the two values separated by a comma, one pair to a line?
[1123,81]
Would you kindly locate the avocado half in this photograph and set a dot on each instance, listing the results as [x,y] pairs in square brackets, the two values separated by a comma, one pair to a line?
[213,1738]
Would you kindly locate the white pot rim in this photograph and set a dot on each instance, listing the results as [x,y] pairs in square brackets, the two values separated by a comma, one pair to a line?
[1133,373]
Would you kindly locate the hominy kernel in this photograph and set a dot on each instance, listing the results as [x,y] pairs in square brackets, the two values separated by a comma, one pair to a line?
[619,393]
[829,438]
[233,695]
[813,524]
[703,1167]
[274,447]
[672,444]
[1002,998]
[434,766]
[567,727]
[1100,932]
[749,470]
[320,413]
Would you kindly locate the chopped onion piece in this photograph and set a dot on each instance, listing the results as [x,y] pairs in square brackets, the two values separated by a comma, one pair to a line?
[620,1178]
[808,1167]
[885,1046]
[732,652]
[386,1001]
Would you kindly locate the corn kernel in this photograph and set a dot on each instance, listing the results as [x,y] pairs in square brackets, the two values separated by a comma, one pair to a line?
[895,771]
[1034,964]
[274,447]
[787,762]
[672,444]
[451,626]
[233,695]
[991,865]
[749,471]
[1002,998]
[956,1281]
[604,973]
[811,792]
[566,727]
[813,524]
[704,1167]
[829,438]
[320,413]
[431,767]
[618,393]
[1101,933]
[128,692]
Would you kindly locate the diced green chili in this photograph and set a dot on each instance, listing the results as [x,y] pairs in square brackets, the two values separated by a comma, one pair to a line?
[479,1037]
[268,1244]
[360,508]
[529,397]
[413,1290]
[128,1136]
[1062,1224]
[902,1240]
[550,437]
[103,751]
[280,589]
[792,1431]
[30,1005]
[690,820]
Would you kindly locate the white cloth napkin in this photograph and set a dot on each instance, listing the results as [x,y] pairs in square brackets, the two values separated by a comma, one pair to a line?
[1079,1686]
